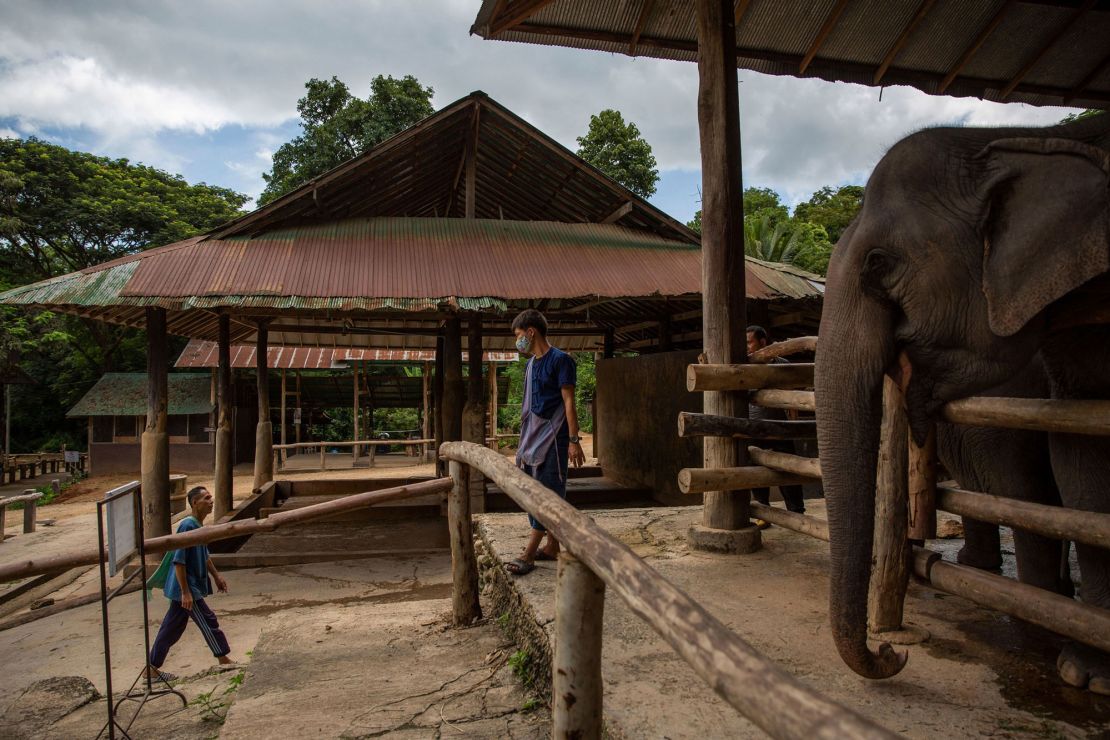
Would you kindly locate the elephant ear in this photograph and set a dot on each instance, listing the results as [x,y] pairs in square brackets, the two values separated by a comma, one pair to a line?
[1046,224]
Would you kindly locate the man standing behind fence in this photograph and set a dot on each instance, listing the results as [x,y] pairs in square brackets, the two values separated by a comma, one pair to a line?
[548,426]
[185,586]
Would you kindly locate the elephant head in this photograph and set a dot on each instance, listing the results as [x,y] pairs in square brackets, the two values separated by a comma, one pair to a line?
[945,280]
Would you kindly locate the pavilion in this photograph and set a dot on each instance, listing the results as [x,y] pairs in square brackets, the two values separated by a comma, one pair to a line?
[452,220]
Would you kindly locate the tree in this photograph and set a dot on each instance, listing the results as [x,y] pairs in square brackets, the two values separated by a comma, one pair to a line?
[833,209]
[769,241]
[62,211]
[336,126]
[758,202]
[617,149]
[1069,118]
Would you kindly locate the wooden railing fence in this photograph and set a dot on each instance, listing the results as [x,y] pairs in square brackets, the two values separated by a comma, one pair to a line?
[907,494]
[14,468]
[592,561]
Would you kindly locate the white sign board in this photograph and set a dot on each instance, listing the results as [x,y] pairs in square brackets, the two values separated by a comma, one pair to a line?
[72,456]
[122,530]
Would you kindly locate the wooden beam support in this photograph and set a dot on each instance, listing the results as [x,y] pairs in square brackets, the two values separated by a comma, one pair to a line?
[155,445]
[453,389]
[437,393]
[784,349]
[702,480]
[465,606]
[641,21]
[822,34]
[975,45]
[222,485]
[745,377]
[264,434]
[785,462]
[724,315]
[618,213]
[923,488]
[576,686]
[707,425]
[472,165]
[903,38]
[1047,47]
[515,13]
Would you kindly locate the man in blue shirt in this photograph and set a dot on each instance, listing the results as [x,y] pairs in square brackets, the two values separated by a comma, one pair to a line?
[186,588]
[549,438]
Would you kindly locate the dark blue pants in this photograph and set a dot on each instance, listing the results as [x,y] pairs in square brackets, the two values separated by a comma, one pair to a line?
[552,472]
[173,626]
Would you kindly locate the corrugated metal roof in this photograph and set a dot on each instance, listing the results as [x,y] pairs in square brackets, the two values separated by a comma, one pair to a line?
[1063,45]
[202,353]
[125,394]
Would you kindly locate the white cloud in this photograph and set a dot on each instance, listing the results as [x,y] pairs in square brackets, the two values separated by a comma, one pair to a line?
[7,133]
[129,72]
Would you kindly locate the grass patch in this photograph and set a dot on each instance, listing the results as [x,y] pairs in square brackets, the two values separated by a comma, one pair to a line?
[213,706]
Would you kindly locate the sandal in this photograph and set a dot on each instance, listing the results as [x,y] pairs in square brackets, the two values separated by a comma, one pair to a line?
[519,567]
[164,677]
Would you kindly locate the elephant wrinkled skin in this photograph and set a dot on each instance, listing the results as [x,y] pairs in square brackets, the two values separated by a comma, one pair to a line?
[971,249]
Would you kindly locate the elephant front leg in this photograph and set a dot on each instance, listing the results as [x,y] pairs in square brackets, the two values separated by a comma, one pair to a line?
[1082,468]
[982,548]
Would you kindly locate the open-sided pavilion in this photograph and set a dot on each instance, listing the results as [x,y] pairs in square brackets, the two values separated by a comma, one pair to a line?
[470,215]
[1041,52]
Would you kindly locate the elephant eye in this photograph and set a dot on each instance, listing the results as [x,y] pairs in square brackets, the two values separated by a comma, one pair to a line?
[878,266]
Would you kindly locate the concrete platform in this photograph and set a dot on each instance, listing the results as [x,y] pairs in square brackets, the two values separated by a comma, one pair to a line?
[982,674]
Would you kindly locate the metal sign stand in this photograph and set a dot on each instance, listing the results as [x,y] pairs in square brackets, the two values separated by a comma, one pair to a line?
[151,688]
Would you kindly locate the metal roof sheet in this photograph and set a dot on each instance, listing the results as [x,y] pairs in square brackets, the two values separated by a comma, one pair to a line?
[202,353]
[125,394]
[1042,52]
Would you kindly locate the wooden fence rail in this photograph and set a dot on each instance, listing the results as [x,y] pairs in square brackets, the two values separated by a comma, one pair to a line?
[760,690]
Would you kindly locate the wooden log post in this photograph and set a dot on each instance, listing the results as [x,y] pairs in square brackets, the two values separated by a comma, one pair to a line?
[749,377]
[923,488]
[474,411]
[576,687]
[426,419]
[30,509]
[223,493]
[466,608]
[264,432]
[725,525]
[355,416]
[700,480]
[3,519]
[284,421]
[437,413]
[453,390]
[155,446]
[706,425]
[890,574]
[789,400]
[491,376]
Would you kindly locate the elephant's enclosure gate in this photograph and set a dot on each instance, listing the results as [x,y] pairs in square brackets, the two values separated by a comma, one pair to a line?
[907,494]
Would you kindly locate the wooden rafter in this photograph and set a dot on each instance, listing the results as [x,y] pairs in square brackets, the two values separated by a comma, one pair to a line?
[641,21]
[515,13]
[460,168]
[1048,45]
[739,11]
[618,213]
[977,44]
[903,39]
[1091,76]
[826,29]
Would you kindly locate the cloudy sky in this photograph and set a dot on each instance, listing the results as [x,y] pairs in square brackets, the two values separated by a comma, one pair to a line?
[208,89]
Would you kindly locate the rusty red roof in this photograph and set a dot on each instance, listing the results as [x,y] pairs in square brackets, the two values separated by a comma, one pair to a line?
[201,353]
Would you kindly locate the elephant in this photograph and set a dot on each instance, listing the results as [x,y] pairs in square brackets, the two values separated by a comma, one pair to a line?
[976,252]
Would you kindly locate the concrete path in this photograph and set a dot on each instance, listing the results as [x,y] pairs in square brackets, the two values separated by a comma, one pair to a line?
[981,675]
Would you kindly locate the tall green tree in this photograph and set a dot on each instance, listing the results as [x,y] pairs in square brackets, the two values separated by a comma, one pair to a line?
[62,211]
[832,208]
[617,149]
[758,202]
[336,126]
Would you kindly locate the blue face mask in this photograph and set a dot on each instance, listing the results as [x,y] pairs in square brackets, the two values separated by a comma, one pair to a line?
[523,344]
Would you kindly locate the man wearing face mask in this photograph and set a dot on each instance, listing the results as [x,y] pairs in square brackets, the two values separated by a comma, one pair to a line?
[548,427]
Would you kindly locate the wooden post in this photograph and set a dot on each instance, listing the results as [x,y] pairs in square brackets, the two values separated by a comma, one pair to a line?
[223,479]
[491,371]
[576,688]
[437,413]
[474,412]
[426,425]
[30,511]
[923,488]
[452,380]
[595,435]
[155,446]
[323,460]
[892,551]
[284,419]
[264,432]
[466,608]
[724,317]
[355,419]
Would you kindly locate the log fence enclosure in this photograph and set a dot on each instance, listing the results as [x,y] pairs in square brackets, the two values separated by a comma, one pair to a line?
[907,492]
[15,468]
[592,562]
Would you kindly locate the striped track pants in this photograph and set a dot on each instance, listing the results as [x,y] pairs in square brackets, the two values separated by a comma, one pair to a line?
[173,626]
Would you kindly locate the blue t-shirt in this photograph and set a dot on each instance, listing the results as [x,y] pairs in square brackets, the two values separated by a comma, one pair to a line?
[550,374]
[195,560]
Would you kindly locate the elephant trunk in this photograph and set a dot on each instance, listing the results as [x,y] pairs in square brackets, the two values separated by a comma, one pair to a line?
[856,347]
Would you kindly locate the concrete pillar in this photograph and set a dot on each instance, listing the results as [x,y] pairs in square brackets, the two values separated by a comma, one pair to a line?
[155,451]
[264,432]
[223,492]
